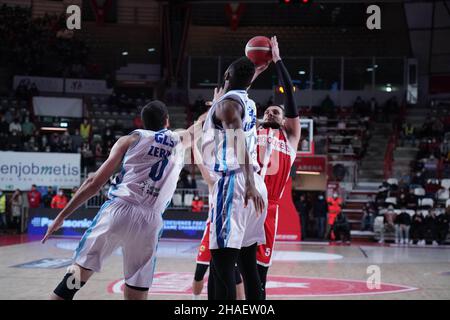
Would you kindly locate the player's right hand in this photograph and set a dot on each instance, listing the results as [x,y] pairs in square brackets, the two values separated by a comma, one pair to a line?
[252,194]
[56,224]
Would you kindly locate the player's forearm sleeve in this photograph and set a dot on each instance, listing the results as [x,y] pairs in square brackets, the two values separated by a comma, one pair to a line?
[290,106]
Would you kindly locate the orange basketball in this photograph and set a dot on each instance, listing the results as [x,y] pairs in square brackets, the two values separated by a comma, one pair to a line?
[258,50]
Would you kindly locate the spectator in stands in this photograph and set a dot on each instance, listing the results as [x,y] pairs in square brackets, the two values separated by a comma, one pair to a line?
[98,150]
[3,222]
[87,156]
[33,90]
[34,197]
[186,181]
[408,134]
[402,224]
[417,229]
[14,142]
[197,204]
[4,132]
[137,122]
[358,106]
[443,221]
[85,129]
[328,107]
[373,106]
[77,140]
[368,218]
[320,212]
[28,128]
[15,126]
[47,199]
[334,208]
[418,180]
[341,228]
[66,142]
[59,201]
[303,207]
[108,136]
[16,208]
[9,116]
[430,228]
[388,223]
[72,193]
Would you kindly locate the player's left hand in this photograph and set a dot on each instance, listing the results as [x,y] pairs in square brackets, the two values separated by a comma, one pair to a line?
[275,50]
[218,92]
[56,224]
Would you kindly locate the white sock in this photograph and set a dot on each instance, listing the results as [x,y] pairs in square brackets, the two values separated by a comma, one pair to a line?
[195,297]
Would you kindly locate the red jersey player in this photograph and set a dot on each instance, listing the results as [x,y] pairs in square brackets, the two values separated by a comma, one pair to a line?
[278,138]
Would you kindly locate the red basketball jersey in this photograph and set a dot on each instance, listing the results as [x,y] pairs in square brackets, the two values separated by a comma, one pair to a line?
[275,157]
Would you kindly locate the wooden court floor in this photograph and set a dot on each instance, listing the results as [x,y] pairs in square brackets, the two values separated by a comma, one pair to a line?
[299,271]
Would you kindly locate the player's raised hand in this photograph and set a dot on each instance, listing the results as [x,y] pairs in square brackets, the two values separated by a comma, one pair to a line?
[252,194]
[275,50]
[56,224]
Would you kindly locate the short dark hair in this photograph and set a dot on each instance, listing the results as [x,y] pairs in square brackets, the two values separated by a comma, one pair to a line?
[242,73]
[154,115]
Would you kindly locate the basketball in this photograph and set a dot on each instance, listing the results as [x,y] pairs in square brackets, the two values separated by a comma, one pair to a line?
[258,50]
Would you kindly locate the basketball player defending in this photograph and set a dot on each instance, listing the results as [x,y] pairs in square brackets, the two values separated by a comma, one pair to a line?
[151,161]
[278,138]
[239,197]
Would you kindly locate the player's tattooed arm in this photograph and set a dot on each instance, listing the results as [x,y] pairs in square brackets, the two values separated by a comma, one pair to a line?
[94,182]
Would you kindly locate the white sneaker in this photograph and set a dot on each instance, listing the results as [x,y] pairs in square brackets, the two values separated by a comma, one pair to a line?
[381,241]
[407,241]
[435,243]
[397,241]
[422,243]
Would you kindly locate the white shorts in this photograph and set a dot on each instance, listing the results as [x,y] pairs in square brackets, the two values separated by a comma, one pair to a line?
[120,224]
[233,225]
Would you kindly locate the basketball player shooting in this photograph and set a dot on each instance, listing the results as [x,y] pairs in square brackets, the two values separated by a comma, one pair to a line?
[132,217]
[239,196]
[278,138]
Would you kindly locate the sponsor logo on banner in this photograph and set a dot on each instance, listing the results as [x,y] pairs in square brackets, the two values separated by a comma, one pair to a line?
[168,283]
[44,84]
[87,86]
[22,169]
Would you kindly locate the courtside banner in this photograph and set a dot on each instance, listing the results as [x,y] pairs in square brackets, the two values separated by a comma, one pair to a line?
[20,170]
[177,223]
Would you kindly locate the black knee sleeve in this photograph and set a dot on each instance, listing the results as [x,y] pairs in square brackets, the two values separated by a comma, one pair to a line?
[136,288]
[67,288]
[200,271]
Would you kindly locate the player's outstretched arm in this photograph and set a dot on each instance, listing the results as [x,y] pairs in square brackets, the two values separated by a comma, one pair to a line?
[291,121]
[92,184]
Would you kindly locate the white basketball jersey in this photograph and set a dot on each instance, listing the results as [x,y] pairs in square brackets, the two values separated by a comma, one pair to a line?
[219,147]
[150,170]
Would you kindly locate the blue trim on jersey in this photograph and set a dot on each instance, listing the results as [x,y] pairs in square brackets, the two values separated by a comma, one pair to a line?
[219,209]
[224,152]
[89,230]
[156,249]
[228,206]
